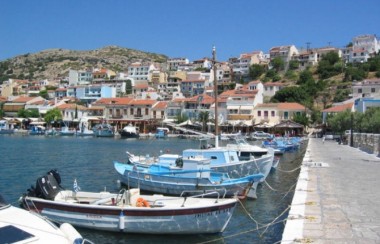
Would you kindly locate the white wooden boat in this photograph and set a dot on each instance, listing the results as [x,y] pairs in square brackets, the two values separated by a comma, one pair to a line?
[128,210]
[20,226]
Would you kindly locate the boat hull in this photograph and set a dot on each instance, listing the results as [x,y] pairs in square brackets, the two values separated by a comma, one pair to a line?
[172,185]
[125,134]
[181,220]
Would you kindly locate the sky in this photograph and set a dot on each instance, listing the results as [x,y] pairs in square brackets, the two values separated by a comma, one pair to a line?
[183,28]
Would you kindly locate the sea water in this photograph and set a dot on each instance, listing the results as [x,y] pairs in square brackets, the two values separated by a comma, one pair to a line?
[89,160]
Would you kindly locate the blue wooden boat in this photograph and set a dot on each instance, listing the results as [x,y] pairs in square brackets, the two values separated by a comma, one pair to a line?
[162,132]
[6,128]
[103,130]
[190,175]
[37,130]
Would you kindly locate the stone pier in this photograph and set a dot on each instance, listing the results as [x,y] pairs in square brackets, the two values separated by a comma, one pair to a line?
[337,197]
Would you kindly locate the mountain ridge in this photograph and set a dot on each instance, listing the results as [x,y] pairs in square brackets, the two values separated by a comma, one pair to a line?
[54,63]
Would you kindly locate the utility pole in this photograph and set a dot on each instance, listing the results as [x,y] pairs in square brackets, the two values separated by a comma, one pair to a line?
[216,97]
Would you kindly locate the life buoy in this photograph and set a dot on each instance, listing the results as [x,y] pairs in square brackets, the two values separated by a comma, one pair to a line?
[141,202]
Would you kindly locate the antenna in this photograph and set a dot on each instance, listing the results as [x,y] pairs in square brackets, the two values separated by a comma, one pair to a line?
[308,46]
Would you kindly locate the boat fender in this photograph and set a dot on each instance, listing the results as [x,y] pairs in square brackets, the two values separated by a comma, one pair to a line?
[121,221]
[141,202]
[71,233]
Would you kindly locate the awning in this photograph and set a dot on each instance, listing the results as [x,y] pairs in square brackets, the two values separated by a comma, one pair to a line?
[233,107]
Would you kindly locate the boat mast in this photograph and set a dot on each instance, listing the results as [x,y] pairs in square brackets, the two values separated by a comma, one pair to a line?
[216,97]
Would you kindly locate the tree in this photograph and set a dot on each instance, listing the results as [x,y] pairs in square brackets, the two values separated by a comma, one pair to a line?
[128,87]
[181,118]
[204,117]
[28,113]
[52,116]
[278,64]
[294,64]
[256,70]
[340,122]
[291,94]
[301,119]
[44,94]
[304,77]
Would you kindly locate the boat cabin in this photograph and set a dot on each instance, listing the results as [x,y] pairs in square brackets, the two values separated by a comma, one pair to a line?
[218,156]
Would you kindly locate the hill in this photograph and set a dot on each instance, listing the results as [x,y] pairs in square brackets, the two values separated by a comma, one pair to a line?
[55,63]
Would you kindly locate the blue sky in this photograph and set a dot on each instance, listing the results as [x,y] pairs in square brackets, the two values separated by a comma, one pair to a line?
[182,28]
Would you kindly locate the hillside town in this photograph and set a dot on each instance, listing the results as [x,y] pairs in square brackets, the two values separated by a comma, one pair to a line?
[150,95]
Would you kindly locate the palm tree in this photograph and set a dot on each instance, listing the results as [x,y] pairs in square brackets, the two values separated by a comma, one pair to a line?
[204,117]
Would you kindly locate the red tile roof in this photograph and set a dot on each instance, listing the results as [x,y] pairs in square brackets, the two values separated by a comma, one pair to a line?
[291,106]
[339,108]
[22,99]
[206,99]
[71,106]
[160,105]
[115,100]
[142,102]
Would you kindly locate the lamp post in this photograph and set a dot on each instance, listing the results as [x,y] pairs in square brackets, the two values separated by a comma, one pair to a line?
[351,134]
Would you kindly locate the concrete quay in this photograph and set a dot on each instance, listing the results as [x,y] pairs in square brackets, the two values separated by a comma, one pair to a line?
[337,197]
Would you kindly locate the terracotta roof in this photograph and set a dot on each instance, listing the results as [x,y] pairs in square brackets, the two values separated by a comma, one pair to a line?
[206,99]
[142,102]
[141,86]
[339,108]
[3,99]
[115,100]
[22,99]
[71,106]
[160,105]
[61,89]
[291,106]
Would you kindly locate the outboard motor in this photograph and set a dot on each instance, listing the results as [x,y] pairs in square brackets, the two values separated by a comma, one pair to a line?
[47,186]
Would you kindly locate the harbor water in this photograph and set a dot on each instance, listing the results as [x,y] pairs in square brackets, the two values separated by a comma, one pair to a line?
[89,161]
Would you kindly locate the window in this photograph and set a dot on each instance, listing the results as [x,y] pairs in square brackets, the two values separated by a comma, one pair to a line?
[259,113]
[286,115]
[373,90]
[272,113]
[360,90]
[146,111]
[131,111]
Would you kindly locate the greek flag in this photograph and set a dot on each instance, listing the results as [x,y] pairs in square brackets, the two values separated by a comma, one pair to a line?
[75,186]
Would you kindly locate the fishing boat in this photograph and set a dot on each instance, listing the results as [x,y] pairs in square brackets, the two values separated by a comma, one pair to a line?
[20,226]
[37,130]
[6,128]
[222,160]
[128,210]
[66,131]
[83,128]
[103,130]
[246,151]
[173,175]
[162,132]
[129,131]
[51,132]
